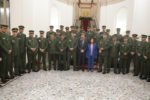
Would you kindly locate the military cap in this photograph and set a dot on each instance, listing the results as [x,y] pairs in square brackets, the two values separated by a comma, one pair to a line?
[14,29]
[108,30]
[72,26]
[88,27]
[57,30]
[114,36]
[104,26]
[41,32]
[97,29]
[52,33]
[72,31]
[105,33]
[81,26]
[21,27]
[76,27]
[51,26]
[118,29]
[94,26]
[125,36]
[144,36]
[134,35]
[128,31]
[61,26]
[67,28]
[31,31]
[62,34]
[2,25]
[82,31]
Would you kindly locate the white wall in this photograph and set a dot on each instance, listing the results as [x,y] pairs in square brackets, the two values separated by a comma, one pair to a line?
[39,14]
[138,16]
[141,18]
[108,15]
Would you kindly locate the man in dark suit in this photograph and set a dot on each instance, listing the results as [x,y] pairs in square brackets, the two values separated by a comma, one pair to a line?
[82,45]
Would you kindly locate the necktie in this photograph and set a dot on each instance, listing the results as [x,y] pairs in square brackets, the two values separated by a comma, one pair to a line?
[82,43]
[91,49]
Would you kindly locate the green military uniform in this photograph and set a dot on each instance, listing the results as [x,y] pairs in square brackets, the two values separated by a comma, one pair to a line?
[62,29]
[119,36]
[90,35]
[146,55]
[130,43]
[139,57]
[5,44]
[62,46]
[148,60]
[97,36]
[114,53]
[133,49]
[5,47]
[144,61]
[42,55]
[15,53]
[72,43]
[52,51]
[49,32]
[77,32]
[103,54]
[67,33]
[124,48]
[22,47]
[109,38]
[31,43]
[57,36]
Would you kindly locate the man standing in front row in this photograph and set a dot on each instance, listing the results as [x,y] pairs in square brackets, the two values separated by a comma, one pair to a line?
[133,52]
[62,46]
[148,60]
[42,50]
[124,51]
[82,46]
[52,51]
[103,47]
[22,46]
[32,49]
[72,46]
[6,52]
[15,52]
[114,53]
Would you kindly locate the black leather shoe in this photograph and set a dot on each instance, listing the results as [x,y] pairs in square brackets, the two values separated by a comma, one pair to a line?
[140,76]
[148,80]
[99,71]
[135,75]
[143,77]
[104,72]
[4,81]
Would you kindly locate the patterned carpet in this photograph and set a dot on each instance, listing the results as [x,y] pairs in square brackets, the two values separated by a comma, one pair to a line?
[69,85]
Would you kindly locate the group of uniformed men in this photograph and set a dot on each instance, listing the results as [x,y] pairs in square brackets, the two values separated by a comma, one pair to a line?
[63,46]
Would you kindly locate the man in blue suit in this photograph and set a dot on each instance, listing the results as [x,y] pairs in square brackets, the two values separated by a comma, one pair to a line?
[91,54]
[82,46]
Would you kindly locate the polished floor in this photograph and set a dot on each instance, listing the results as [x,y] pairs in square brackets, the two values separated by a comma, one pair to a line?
[70,85]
